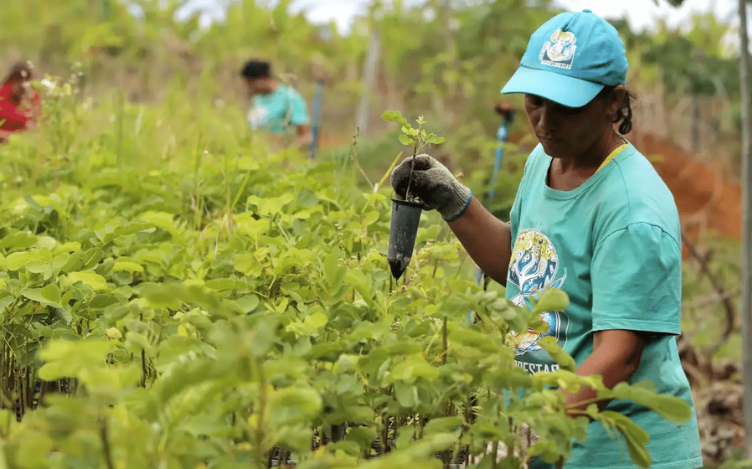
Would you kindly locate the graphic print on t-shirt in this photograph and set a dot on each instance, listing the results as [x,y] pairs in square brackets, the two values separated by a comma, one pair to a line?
[257,117]
[533,267]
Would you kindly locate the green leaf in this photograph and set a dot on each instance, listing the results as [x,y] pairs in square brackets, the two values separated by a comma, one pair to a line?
[436,140]
[18,240]
[75,262]
[4,303]
[247,264]
[92,258]
[406,394]
[127,266]
[635,436]
[33,449]
[92,279]
[295,405]
[37,267]
[316,320]
[51,293]
[223,284]
[405,140]
[553,299]
[163,295]
[17,260]
[392,116]
[371,218]
[103,301]
[248,303]
[35,294]
[671,408]
[414,367]
[333,272]
[557,353]
[363,436]
[443,425]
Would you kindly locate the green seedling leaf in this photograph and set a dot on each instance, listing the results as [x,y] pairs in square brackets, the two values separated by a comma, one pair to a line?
[406,394]
[18,260]
[223,284]
[248,303]
[443,425]
[247,264]
[671,408]
[557,353]
[127,266]
[51,293]
[436,140]
[18,240]
[74,263]
[553,299]
[363,436]
[92,279]
[295,405]
[635,436]
[33,450]
[394,116]
[406,140]
[163,295]
[316,321]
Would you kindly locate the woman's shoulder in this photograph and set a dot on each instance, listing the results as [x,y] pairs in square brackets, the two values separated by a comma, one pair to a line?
[633,192]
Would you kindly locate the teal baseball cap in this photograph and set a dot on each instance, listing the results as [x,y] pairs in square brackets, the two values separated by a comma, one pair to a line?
[570,59]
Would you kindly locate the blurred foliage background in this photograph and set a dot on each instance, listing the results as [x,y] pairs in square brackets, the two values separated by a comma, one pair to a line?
[446,60]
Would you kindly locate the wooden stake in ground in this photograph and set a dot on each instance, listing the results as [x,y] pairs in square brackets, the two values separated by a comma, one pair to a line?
[746,280]
[370,69]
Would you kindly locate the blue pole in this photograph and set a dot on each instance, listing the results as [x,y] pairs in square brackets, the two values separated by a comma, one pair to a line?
[315,128]
[501,137]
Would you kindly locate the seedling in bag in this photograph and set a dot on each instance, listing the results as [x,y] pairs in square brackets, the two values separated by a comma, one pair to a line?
[406,213]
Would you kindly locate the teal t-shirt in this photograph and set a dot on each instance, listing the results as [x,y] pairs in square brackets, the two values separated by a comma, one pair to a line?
[278,110]
[614,246]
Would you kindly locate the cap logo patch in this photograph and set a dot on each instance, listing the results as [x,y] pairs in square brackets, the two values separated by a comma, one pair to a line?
[559,51]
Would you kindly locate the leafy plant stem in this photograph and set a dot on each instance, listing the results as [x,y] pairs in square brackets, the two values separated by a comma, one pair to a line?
[444,341]
[259,436]
[106,449]
[412,167]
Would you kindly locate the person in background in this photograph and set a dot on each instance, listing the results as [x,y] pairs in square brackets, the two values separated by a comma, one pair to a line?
[20,104]
[276,107]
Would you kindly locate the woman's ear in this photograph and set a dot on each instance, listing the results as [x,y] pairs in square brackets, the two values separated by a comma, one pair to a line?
[616,100]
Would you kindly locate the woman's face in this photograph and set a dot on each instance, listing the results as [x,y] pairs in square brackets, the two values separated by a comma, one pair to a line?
[566,132]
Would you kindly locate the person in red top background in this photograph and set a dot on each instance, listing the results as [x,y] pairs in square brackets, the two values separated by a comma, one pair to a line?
[20,104]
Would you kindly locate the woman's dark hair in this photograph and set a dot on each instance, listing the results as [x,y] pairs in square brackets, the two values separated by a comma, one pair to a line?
[21,71]
[624,114]
[256,69]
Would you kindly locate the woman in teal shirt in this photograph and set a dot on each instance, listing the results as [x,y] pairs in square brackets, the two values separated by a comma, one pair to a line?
[593,218]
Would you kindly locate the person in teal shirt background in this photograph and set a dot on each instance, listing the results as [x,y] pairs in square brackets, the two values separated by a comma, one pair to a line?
[593,218]
[275,107]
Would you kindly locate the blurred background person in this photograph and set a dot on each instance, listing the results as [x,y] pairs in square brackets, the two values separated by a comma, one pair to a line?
[20,104]
[275,107]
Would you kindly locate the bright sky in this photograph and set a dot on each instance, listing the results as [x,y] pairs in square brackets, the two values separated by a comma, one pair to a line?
[641,13]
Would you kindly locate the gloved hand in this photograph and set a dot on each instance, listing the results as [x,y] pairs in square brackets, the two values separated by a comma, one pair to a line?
[434,184]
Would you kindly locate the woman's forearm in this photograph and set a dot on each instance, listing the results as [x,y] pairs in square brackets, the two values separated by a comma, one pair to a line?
[486,239]
[616,356]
